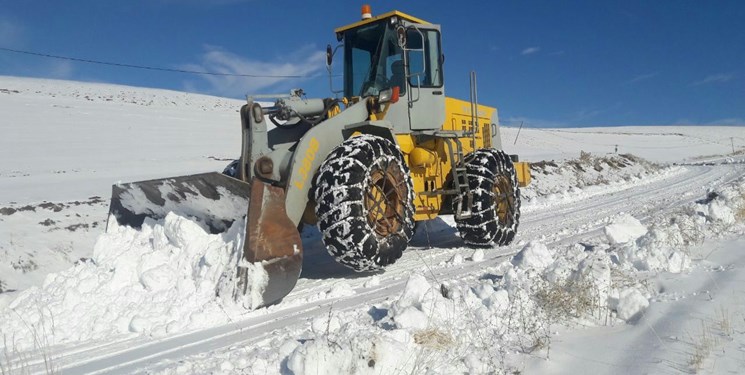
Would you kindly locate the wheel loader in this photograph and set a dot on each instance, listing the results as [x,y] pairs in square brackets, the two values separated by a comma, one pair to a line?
[364,166]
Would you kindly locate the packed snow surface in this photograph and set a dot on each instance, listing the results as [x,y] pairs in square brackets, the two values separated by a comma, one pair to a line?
[619,262]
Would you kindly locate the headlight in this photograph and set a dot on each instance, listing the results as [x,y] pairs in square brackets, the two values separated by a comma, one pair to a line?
[389,95]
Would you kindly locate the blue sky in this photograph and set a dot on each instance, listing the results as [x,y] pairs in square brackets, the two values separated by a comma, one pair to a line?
[548,63]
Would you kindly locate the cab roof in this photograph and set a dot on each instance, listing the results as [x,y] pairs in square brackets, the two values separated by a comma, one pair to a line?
[380,17]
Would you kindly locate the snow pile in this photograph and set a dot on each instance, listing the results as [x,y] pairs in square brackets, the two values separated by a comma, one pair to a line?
[479,325]
[630,304]
[487,323]
[662,246]
[534,255]
[564,179]
[624,229]
[426,328]
[352,350]
[444,327]
[634,245]
[717,210]
[170,276]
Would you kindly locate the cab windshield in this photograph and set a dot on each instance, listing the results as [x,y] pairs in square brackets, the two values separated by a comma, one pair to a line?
[373,61]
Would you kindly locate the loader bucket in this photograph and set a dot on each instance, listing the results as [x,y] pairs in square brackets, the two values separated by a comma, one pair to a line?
[271,239]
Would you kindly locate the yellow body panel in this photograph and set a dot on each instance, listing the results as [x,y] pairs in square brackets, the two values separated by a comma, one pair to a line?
[429,159]
[522,169]
[430,162]
[380,17]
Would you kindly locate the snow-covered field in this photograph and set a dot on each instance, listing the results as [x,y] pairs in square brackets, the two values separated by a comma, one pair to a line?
[629,256]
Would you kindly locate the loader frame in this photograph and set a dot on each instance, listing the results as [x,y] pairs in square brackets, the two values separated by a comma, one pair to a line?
[278,166]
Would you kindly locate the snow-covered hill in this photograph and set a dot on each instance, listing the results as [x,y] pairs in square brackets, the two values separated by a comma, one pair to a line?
[613,244]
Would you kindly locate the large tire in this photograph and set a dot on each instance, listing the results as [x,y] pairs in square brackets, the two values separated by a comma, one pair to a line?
[232,168]
[364,199]
[495,213]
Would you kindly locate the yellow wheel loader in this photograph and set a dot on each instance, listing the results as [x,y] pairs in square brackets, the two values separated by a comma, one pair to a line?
[363,167]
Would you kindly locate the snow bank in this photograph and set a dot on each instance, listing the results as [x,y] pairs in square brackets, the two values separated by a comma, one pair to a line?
[476,326]
[576,179]
[169,276]
[662,244]
[488,323]
[425,328]
[360,352]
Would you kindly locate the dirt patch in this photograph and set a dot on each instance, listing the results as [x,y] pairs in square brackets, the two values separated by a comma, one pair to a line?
[542,167]
[47,222]
[54,207]
[7,211]
[24,265]
[75,227]
[220,159]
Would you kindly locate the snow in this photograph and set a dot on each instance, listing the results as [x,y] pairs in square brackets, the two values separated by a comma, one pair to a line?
[718,211]
[228,205]
[631,303]
[620,265]
[623,229]
[478,255]
[534,255]
[162,279]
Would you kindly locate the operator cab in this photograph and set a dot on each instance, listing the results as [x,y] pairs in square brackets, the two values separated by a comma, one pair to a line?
[396,50]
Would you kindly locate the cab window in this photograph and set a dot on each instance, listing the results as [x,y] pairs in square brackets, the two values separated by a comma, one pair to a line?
[425,64]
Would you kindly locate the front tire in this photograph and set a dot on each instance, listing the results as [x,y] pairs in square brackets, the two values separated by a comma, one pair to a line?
[364,198]
[495,213]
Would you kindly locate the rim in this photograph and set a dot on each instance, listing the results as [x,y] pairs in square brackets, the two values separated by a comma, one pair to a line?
[504,200]
[384,199]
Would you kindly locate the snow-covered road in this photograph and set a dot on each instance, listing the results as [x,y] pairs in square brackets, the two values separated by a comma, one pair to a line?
[571,219]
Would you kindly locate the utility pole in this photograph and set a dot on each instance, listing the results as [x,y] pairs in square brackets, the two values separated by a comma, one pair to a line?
[518,132]
[732,140]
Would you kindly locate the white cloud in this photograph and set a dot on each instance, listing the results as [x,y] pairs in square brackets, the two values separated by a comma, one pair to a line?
[60,69]
[586,114]
[530,50]
[641,77]
[715,78]
[732,121]
[10,32]
[305,63]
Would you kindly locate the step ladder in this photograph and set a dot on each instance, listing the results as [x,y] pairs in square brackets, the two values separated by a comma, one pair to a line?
[461,190]
[463,210]
[460,184]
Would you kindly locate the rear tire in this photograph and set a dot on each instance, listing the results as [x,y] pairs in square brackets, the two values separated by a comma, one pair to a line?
[232,168]
[495,213]
[365,198]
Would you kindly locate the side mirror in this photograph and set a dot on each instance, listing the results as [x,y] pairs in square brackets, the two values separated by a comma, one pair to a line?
[401,33]
[329,55]
[414,39]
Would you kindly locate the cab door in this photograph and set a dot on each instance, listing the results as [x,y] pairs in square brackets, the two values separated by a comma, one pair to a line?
[423,63]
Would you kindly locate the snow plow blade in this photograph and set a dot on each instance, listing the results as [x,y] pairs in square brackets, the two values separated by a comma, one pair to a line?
[271,239]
